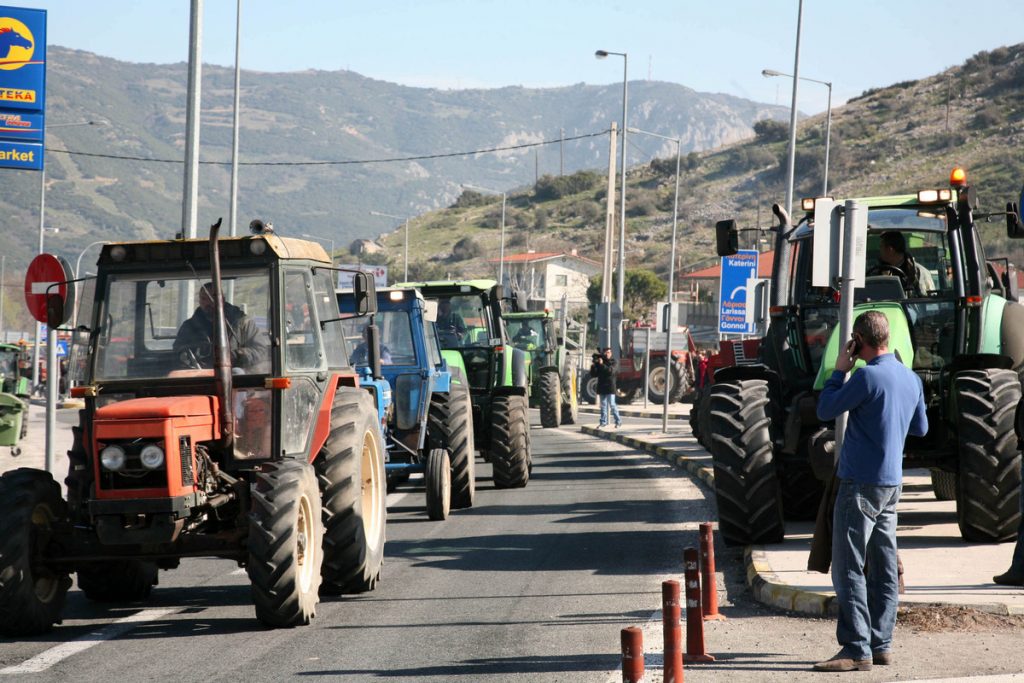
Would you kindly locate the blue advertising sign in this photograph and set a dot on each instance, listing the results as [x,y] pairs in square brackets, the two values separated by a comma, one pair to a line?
[25,155]
[62,349]
[22,87]
[732,293]
[22,58]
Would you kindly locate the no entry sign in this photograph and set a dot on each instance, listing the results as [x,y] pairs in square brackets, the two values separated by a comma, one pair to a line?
[47,274]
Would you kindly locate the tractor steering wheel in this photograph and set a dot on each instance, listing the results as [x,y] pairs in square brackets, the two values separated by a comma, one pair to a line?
[886,269]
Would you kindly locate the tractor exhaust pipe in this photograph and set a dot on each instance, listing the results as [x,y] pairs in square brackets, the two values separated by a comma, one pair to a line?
[222,350]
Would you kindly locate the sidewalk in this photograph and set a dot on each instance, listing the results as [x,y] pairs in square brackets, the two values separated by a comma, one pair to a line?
[33,446]
[940,567]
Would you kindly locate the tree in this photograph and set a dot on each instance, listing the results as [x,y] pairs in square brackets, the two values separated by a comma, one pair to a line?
[768,130]
[642,290]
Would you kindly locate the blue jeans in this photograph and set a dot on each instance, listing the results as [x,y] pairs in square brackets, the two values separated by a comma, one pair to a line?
[864,569]
[608,402]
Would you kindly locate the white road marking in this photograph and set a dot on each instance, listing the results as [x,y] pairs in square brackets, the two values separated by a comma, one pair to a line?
[44,660]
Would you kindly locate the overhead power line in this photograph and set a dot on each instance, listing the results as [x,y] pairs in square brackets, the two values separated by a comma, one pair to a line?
[346,162]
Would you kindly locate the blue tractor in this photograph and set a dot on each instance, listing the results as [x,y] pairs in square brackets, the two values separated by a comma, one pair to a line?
[429,426]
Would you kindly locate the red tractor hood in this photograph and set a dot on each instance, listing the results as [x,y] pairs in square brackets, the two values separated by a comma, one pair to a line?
[159,407]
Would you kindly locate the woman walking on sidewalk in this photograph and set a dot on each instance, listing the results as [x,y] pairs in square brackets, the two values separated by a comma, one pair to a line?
[603,368]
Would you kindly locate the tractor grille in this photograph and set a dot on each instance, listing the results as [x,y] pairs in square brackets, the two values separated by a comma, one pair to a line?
[185,451]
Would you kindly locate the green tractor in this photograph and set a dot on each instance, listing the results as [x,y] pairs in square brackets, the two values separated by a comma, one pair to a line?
[476,347]
[14,393]
[954,320]
[551,365]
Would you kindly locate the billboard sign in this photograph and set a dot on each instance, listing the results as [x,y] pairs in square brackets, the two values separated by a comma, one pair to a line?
[732,295]
[22,87]
[379,273]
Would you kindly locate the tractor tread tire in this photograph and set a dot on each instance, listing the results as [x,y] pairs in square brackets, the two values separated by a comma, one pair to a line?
[438,480]
[570,397]
[31,597]
[746,482]
[988,485]
[943,484]
[450,426]
[353,547]
[125,580]
[550,398]
[510,442]
[676,386]
[589,388]
[277,548]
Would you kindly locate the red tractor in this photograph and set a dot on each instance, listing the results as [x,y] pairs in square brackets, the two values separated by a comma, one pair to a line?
[235,429]
[632,371]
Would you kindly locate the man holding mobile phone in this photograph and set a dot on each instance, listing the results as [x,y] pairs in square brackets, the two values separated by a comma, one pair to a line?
[885,402]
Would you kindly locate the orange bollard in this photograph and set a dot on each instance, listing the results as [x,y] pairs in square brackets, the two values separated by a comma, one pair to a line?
[632,655]
[670,613]
[695,651]
[708,585]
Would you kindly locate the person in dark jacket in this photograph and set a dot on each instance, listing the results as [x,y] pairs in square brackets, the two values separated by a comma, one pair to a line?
[603,368]
[193,345]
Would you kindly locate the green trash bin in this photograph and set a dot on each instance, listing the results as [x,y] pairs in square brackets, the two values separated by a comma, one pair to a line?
[12,413]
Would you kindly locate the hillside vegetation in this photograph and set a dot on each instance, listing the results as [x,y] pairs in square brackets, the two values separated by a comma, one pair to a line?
[888,140]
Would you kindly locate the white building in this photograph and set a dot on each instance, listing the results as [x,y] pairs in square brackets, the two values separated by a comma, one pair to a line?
[547,277]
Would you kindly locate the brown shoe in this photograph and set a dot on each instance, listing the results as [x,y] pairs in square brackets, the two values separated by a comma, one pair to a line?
[1010,578]
[881,658]
[843,663]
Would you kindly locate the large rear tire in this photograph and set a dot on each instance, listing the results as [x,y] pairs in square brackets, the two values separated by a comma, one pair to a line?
[570,398]
[656,382]
[746,482]
[450,427]
[589,385]
[350,471]
[988,486]
[510,442]
[285,543]
[118,580]
[550,398]
[801,490]
[694,417]
[438,480]
[31,594]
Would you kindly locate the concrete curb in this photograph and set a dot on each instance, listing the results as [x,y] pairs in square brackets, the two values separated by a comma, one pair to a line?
[632,412]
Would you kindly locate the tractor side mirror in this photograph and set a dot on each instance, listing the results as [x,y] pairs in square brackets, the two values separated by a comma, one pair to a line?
[727,237]
[55,311]
[365,293]
[1014,225]
[430,311]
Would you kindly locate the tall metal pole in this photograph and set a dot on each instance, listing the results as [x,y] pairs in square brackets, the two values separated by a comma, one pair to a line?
[671,287]
[609,239]
[3,295]
[792,113]
[42,215]
[621,294]
[232,211]
[190,199]
[828,137]
[405,277]
[501,252]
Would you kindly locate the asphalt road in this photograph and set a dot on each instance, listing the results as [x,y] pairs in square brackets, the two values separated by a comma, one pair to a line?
[530,584]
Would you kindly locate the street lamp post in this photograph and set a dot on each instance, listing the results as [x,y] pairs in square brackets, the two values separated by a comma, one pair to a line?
[791,167]
[621,282]
[405,278]
[501,250]
[324,240]
[828,119]
[671,275]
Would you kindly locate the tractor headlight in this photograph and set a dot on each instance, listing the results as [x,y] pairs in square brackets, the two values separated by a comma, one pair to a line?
[112,458]
[152,456]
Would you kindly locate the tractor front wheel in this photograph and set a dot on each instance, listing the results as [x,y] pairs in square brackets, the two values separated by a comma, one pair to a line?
[438,478]
[656,384]
[510,442]
[550,398]
[350,471]
[285,543]
[589,385]
[988,486]
[31,593]
[943,484]
[746,481]
[570,397]
[450,426]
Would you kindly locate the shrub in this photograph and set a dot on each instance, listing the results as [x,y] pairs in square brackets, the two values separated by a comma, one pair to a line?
[768,130]
[465,249]
[555,187]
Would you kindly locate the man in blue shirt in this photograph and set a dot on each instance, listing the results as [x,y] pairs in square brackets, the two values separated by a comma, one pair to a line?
[885,401]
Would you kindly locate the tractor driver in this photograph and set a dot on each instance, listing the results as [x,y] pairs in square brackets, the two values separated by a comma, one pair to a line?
[193,345]
[525,337]
[895,259]
[450,324]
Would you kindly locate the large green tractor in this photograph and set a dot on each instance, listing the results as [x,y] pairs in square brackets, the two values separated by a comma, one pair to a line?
[551,366]
[476,347]
[954,320]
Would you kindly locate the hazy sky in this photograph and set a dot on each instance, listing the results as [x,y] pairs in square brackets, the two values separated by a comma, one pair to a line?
[708,45]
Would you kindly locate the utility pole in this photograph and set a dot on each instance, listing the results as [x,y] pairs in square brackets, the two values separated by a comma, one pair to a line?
[609,236]
[561,152]
[190,200]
